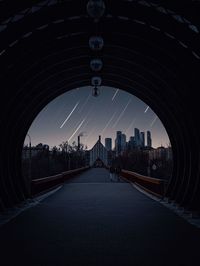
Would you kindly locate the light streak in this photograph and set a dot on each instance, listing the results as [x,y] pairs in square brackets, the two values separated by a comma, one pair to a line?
[132,123]
[108,123]
[152,123]
[76,130]
[86,101]
[115,94]
[146,109]
[89,135]
[69,115]
[122,113]
[86,117]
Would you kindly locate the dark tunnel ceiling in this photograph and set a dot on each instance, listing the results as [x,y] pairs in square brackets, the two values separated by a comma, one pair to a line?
[152,49]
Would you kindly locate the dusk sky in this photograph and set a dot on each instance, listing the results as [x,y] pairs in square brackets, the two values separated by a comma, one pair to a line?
[78,111]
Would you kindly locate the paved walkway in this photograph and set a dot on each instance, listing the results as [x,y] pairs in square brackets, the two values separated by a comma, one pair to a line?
[96,175]
[93,222]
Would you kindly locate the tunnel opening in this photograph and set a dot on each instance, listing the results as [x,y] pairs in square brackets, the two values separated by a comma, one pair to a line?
[64,136]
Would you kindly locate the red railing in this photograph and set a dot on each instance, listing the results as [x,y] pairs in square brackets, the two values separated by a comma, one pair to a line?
[152,185]
[42,184]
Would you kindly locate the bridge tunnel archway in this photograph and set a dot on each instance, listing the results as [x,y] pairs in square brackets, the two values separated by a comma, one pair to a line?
[78,114]
[147,52]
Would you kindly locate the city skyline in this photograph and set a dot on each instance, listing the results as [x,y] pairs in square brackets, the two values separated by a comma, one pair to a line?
[78,112]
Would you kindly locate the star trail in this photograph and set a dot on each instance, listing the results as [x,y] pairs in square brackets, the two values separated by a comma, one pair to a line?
[72,112]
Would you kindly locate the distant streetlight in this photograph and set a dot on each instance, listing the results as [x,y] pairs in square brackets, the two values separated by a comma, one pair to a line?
[68,154]
[66,150]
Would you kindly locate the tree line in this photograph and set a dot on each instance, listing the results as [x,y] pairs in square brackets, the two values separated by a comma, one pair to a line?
[46,162]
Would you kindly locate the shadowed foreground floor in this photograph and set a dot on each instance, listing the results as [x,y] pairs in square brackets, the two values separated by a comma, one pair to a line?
[92,221]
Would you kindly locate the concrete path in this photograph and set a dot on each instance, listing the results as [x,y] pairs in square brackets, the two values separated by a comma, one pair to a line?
[91,221]
[96,175]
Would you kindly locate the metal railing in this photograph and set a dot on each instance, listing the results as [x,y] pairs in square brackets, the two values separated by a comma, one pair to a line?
[152,185]
[42,184]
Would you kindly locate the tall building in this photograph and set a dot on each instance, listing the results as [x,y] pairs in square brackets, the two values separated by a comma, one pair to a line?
[118,143]
[131,143]
[149,140]
[137,137]
[108,144]
[123,142]
[142,139]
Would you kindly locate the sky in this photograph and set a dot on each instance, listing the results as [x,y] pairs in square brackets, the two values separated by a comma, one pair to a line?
[77,111]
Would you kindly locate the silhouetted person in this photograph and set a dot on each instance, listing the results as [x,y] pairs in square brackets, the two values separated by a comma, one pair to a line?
[118,172]
[112,170]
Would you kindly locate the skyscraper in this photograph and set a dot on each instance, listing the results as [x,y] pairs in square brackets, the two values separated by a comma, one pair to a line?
[123,142]
[149,140]
[131,143]
[142,139]
[108,144]
[118,142]
[137,137]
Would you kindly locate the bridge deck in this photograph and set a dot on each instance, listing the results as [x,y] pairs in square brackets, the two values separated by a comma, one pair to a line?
[92,221]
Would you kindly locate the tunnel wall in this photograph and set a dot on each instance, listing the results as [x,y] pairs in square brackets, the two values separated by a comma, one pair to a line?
[151,50]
